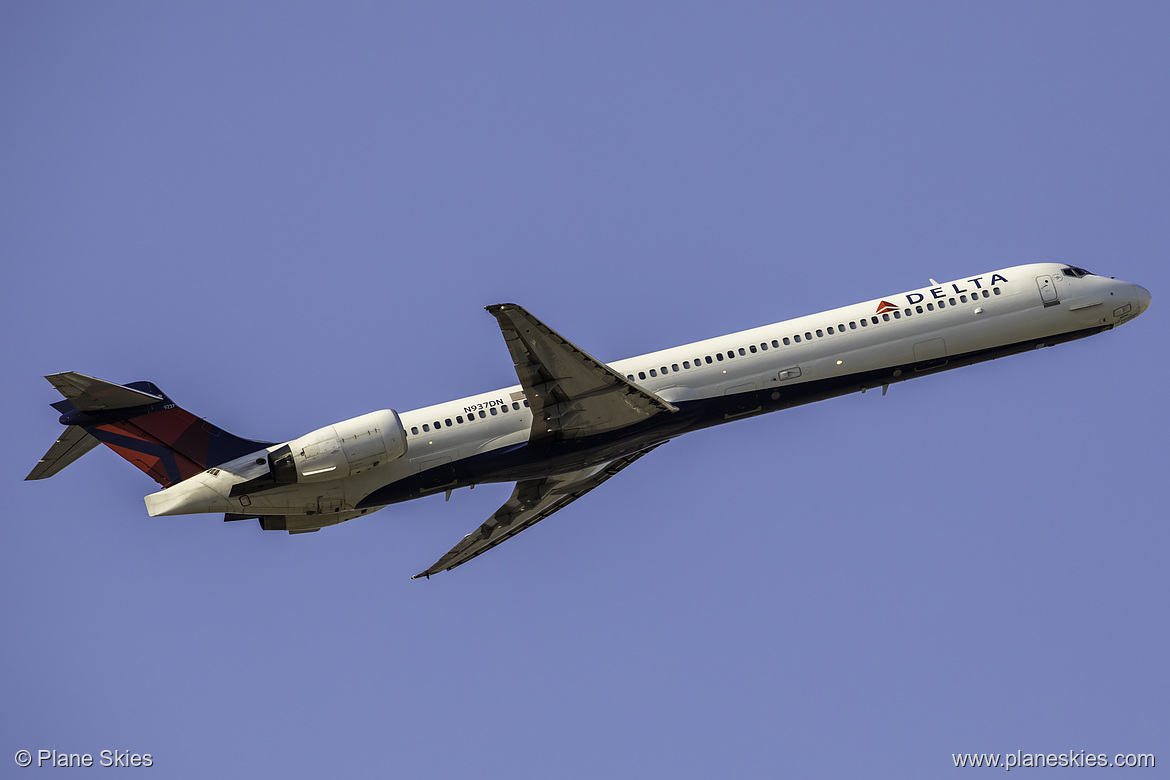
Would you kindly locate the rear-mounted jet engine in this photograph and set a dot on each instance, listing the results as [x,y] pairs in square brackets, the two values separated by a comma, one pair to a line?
[334,452]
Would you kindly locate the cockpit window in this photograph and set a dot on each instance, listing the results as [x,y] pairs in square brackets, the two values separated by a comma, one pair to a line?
[1075,272]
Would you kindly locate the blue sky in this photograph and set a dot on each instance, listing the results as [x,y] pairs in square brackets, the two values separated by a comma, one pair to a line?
[290,214]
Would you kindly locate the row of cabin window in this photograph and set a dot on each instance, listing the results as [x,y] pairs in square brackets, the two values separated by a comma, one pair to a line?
[898,314]
[686,364]
[808,335]
[448,422]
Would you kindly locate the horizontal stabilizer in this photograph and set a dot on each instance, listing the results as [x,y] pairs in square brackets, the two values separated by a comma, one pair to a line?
[141,424]
[89,394]
[74,443]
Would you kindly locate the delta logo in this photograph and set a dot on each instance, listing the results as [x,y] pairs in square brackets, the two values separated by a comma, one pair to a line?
[941,292]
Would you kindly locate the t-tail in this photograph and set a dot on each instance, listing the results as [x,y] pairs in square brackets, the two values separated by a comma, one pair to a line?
[140,423]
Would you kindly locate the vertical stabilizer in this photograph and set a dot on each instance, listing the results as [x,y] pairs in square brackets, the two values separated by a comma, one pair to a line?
[140,423]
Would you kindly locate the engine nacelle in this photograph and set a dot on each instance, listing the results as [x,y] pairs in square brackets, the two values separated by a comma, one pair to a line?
[340,450]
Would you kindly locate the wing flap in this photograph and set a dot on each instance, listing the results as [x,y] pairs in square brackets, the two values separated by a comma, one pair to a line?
[571,393]
[74,443]
[531,501]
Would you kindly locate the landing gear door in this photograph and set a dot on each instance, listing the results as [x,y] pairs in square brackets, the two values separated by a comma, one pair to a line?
[1047,290]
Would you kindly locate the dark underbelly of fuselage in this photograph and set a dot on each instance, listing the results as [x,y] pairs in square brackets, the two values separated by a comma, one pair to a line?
[537,460]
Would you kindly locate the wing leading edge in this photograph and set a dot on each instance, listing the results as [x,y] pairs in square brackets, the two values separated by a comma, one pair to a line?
[532,501]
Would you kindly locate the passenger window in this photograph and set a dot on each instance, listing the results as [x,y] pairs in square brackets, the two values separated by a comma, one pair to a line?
[962,299]
[841,328]
[852,325]
[516,406]
[995,290]
[641,374]
[437,426]
[662,371]
[459,419]
[918,309]
[875,319]
[742,352]
[886,317]
[653,372]
[674,366]
[708,360]
[493,411]
[807,336]
[719,356]
[820,333]
[786,341]
[897,315]
[414,430]
[865,323]
[951,301]
[930,307]
[796,339]
[686,364]
[986,294]
[830,330]
[752,348]
[426,428]
[942,304]
[731,354]
[482,414]
[526,402]
[448,421]
[775,345]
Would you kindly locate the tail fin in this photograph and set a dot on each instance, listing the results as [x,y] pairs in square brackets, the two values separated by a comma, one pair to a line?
[140,423]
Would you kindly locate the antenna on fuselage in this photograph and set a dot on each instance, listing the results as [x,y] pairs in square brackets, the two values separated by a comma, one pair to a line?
[933,283]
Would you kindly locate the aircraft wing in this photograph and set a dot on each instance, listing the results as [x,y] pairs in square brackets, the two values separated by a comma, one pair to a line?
[74,443]
[531,501]
[571,393]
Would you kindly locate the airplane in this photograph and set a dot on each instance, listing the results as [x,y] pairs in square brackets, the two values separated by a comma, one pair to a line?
[573,421]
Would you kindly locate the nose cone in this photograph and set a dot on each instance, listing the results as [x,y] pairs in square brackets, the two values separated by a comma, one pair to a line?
[1141,298]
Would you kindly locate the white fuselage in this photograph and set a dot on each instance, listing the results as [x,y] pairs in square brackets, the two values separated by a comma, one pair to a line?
[776,366]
